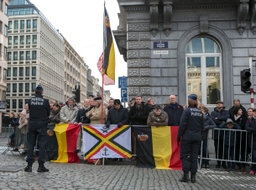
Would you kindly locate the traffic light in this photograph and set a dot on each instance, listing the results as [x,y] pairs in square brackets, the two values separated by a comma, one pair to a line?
[245,80]
[77,94]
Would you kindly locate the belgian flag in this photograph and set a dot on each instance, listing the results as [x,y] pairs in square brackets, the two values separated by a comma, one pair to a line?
[156,147]
[67,135]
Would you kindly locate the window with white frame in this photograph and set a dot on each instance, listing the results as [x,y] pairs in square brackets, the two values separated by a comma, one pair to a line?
[203,61]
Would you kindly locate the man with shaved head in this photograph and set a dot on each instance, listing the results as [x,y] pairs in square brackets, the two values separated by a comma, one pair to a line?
[174,111]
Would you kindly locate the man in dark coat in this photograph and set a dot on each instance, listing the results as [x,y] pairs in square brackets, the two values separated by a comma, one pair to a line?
[138,115]
[139,112]
[236,103]
[117,115]
[39,111]
[174,111]
[81,115]
[219,115]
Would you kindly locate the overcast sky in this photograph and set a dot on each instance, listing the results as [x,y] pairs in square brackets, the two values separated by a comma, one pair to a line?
[81,23]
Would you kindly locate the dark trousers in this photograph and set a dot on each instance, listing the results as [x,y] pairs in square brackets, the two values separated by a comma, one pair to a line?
[230,155]
[240,148]
[40,135]
[189,155]
[253,159]
[205,152]
[219,150]
[12,136]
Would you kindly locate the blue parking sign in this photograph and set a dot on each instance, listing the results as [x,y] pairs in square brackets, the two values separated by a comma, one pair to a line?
[122,82]
[123,94]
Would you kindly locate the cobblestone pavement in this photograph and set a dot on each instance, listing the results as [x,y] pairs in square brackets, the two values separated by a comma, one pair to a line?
[118,176]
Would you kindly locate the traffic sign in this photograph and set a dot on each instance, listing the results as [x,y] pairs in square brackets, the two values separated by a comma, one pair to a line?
[124,99]
[122,82]
[123,94]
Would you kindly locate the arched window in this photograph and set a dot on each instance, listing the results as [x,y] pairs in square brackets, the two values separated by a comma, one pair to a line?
[203,61]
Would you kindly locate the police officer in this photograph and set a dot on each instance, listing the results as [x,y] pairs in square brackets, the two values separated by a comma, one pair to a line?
[39,110]
[190,130]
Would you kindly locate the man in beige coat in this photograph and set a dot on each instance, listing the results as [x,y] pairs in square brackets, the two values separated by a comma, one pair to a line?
[95,114]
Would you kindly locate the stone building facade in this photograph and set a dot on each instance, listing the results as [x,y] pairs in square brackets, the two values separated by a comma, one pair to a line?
[187,46]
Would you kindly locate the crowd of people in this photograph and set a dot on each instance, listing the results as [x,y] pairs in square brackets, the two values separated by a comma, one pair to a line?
[194,123]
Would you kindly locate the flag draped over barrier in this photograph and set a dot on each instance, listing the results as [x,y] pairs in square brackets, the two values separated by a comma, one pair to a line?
[157,147]
[67,135]
[100,142]
[106,62]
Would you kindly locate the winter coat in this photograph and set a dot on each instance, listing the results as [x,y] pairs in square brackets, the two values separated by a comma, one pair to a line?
[138,115]
[191,124]
[68,114]
[39,111]
[161,120]
[23,125]
[208,124]
[81,115]
[244,113]
[229,134]
[117,116]
[14,122]
[219,117]
[251,127]
[54,117]
[95,114]
[241,121]
[174,112]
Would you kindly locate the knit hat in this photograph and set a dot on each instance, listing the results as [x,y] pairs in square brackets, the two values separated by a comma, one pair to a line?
[39,88]
[117,102]
[24,112]
[193,96]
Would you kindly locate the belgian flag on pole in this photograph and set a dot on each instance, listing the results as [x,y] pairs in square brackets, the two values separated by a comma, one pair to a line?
[156,147]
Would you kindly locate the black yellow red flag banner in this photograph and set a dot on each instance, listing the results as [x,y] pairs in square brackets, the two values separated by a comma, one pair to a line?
[157,147]
[67,135]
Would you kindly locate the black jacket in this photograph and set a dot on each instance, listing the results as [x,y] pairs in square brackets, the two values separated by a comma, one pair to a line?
[191,125]
[117,116]
[14,122]
[139,115]
[241,121]
[174,112]
[251,127]
[219,117]
[81,115]
[208,124]
[39,111]
[243,109]
[230,134]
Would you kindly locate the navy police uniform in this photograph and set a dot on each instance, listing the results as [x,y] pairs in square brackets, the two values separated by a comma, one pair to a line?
[39,111]
[190,130]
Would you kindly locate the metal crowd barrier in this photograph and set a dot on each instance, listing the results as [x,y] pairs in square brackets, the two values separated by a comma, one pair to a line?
[231,145]
[6,131]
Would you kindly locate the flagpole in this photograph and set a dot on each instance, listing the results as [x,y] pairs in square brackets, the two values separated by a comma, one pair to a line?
[102,99]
